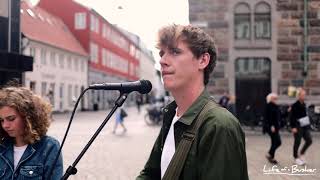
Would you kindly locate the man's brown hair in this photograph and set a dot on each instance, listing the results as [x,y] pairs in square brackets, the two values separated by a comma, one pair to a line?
[197,40]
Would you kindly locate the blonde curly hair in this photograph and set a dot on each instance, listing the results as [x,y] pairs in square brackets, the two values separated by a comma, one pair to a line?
[34,110]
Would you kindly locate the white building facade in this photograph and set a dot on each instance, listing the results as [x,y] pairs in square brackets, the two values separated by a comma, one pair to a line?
[57,75]
[60,66]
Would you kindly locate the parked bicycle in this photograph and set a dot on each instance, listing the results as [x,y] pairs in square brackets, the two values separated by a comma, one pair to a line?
[314,115]
[154,114]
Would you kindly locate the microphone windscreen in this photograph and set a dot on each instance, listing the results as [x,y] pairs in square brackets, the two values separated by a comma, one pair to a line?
[146,86]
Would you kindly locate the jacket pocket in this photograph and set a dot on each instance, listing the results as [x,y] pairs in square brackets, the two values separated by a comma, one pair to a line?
[31,172]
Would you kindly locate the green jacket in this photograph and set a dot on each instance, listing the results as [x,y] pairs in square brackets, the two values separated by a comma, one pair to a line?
[217,153]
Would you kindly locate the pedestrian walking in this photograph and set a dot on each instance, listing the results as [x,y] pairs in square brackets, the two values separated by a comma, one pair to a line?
[25,150]
[120,115]
[232,105]
[272,125]
[199,140]
[138,102]
[224,100]
[249,117]
[300,127]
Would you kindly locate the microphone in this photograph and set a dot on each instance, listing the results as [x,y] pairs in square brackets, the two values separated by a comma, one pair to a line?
[141,86]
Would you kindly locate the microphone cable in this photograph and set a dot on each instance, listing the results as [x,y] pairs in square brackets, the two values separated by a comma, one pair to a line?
[67,131]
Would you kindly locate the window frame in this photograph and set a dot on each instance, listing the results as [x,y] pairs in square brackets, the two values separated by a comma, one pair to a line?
[242,11]
[80,21]
[259,14]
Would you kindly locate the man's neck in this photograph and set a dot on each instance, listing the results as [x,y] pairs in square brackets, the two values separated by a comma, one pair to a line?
[185,98]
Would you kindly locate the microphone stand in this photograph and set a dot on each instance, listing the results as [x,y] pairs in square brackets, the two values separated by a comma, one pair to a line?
[72,170]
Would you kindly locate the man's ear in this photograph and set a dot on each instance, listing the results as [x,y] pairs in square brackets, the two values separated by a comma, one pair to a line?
[204,61]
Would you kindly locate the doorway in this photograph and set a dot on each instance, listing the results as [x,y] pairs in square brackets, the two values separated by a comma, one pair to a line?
[253,84]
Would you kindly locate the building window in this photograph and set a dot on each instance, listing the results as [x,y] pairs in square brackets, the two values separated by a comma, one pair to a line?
[97,25]
[53,59]
[33,86]
[76,92]
[32,52]
[104,31]
[76,64]
[117,39]
[132,50]
[104,57]
[92,19]
[61,95]
[43,89]
[93,52]
[249,66]
[69,62]
[82,64]
[51,94]
[242,21]
[94,24]
[80,20]
[116,62]
[61,61]
[70,94]
[43,57]
[137,56]
[262,21]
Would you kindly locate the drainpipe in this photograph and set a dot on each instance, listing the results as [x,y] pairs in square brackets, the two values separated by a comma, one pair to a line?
[9,26]
[305,39]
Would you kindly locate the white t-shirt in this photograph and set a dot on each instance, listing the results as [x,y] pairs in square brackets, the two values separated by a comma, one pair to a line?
[168,147]
[17,154]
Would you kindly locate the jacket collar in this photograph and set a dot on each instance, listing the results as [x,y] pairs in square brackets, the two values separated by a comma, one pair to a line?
[6,151]
[193,111]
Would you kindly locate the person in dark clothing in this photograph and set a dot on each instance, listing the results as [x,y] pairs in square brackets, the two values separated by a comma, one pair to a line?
[224,100]
[138,102]
[272,120]
[249,116]
[300,127]
[232,105]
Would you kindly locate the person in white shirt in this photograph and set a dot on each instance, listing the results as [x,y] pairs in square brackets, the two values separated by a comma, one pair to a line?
[25,150]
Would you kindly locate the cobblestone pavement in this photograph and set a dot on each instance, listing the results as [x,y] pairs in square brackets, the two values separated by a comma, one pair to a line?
[121,156]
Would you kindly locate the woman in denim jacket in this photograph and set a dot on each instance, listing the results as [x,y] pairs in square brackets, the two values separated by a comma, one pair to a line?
[25,150]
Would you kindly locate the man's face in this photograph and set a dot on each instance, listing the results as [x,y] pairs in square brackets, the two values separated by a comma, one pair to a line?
[302,95]
[179,67]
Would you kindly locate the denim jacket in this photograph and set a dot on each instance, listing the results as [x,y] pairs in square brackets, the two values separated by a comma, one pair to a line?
[35,162]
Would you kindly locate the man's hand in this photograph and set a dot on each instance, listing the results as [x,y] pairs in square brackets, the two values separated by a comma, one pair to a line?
[273,129]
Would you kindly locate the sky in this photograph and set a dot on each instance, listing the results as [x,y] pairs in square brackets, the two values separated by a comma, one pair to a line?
[141,17]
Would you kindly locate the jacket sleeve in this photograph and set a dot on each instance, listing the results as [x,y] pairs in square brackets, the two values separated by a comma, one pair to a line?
[152,170]
[222,153]
[267,115]
[275,118]
[57,170]
[293,116]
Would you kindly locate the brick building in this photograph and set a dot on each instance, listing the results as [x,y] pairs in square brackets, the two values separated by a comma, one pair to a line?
[263,46]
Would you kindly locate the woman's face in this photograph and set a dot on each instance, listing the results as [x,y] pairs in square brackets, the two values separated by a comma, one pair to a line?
[12,123]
